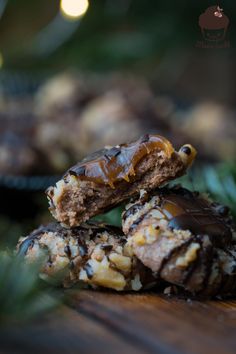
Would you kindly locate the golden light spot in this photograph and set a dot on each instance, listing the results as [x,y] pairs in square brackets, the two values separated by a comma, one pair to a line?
[73,9]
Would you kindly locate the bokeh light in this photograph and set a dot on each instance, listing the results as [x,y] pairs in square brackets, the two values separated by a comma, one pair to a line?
[73,9]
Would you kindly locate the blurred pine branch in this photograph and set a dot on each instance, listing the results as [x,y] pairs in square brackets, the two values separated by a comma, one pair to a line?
[113,217]
[218,181]
[23,295]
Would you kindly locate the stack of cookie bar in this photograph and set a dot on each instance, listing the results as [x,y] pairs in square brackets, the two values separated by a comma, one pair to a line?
[169,235]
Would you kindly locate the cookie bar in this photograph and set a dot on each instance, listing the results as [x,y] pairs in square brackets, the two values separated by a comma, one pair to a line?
[115,174]
[184,237]
[94,254]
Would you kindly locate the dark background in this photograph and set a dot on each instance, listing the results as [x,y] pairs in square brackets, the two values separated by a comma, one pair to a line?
[155,40]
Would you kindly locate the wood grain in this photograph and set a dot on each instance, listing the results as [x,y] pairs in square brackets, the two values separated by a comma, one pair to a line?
[107,322]
[161,325]
[66,331]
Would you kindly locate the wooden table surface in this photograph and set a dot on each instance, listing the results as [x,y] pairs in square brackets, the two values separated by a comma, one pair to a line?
[106,322]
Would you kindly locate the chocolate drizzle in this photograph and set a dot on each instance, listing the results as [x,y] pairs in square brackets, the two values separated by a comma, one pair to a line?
[78,232]
[67,251]
[167,258]
[29,241]
[109,166]
[106,247]
[89,270]
[186,210]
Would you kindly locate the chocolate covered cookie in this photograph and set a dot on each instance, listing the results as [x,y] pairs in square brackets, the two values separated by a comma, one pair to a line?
[94,254]
[184,237]
[114,174]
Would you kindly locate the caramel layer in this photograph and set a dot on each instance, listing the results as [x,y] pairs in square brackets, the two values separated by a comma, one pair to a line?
[108,166]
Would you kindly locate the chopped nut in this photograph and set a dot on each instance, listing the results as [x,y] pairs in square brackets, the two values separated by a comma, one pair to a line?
[103,275]
[136,283]
[189,256]
[122,262]
[139,239]
[168,290]
[98,253]
[128,249]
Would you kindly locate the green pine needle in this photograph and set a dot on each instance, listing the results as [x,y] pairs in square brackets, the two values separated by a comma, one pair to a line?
[218,181]
[22,296]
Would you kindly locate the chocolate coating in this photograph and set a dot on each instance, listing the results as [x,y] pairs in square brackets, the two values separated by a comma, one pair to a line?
[187,210]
